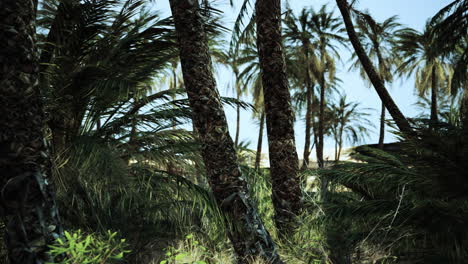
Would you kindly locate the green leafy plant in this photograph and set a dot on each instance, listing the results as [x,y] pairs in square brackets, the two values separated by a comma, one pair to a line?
[191,252]
[79,248]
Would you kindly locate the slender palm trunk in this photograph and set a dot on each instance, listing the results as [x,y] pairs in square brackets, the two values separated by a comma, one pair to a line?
[377,82]
[464,121]
[236,142]
[245,228]
[336,148]
[434,90]
[320,143]
[28,200]
[308,117]
[383,67]
[308,128]
[321,123]
[382,127]
[284,163]
[340,142]
[174,87]
[258,155]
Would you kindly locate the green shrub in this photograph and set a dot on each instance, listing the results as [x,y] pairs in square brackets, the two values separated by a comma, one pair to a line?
[79,248]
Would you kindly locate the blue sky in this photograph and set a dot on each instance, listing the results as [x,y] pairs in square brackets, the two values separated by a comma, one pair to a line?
[412,13]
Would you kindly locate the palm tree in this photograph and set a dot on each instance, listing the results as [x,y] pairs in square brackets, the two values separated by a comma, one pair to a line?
[450,31]
[28,201]
[349,123]
[230,59]
[421,59]
[247,233]
[251,80]
[374,77]
[298,32]
[327,31]
[378,39]
[284,164]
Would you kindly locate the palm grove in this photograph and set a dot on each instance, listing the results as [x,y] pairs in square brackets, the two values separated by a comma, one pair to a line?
[111,119]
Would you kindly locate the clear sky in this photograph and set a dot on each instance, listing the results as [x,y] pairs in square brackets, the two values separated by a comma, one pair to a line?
[412,13]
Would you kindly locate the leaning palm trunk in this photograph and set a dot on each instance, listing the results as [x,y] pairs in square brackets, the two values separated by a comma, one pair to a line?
[27,199]
[245,228]
[284,163]
[374,77]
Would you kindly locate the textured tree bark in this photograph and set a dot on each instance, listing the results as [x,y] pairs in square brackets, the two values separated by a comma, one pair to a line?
[284,163]
[377,82]
[258,155]
[434,89]
[382,127]
[245,228]
[27,198]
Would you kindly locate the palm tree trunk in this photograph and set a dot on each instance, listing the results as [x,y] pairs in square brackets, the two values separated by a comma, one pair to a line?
[245,228]
[434,117]
[308,129]
[258,155]
[319,149]
[340,142]
[174,87]
[377,82]
[308,117]
[336,148]
[28,200]
[464,121]
[284,163]
[382,127]
[236,142]
[321,123]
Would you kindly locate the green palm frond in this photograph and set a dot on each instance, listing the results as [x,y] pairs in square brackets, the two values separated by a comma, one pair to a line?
[413,195]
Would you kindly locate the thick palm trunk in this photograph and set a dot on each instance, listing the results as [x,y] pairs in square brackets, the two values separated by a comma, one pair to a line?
[28,205]
[377,82]
[434,117]
[258,155]
[247,233]
[284,164]
[382,127]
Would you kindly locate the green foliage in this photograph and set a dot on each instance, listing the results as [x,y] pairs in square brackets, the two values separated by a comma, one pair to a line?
[190,252]
[79,248]
[408,202]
